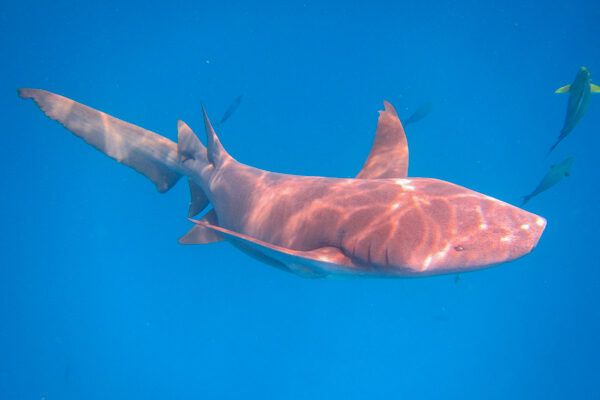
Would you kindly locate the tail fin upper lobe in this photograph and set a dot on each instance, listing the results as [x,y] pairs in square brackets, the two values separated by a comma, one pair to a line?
[150,154]
[154,156]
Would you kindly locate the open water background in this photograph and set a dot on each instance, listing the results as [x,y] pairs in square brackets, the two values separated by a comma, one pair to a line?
[99,301]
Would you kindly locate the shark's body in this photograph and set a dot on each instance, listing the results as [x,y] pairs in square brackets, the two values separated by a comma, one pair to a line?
[580,92]
[556,174]
[380,224]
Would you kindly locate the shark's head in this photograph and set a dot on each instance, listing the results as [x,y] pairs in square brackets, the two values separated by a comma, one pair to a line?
[454,229]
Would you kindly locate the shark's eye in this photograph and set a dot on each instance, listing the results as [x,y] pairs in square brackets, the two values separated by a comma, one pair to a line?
[459,248]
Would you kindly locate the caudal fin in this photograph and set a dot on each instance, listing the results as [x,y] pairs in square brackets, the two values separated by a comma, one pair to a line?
[156,157]
[148,153]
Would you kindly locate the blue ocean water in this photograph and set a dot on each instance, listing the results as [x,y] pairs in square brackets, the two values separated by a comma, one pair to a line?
[99,301]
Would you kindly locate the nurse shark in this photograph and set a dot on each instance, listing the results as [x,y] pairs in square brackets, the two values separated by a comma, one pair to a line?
[379,224]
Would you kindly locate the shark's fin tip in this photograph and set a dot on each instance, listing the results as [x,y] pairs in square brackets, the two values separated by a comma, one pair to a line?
[200,233]
[198,201]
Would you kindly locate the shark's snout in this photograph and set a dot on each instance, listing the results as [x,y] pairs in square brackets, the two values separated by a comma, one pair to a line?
[504,233]
[540,225]
[466,233]
[525,237]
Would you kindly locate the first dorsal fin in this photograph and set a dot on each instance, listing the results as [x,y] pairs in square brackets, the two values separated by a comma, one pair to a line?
[389,155]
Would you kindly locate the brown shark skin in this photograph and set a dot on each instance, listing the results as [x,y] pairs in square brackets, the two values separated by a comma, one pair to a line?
[317,226]
[389,144]
[127,143]
[390,227]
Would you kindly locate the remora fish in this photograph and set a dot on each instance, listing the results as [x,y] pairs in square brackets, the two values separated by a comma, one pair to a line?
[580,92]
[418,115]
[380,224]
[556,173]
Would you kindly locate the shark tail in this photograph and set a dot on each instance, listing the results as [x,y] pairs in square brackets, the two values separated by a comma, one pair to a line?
[195,156]
[150,154]
[192,151]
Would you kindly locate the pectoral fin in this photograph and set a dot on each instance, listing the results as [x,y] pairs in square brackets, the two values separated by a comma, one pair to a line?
[200,234]
[594,88]
[316,263]
[564,89]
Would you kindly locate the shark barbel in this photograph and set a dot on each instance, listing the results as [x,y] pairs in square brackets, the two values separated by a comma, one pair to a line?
[380,224]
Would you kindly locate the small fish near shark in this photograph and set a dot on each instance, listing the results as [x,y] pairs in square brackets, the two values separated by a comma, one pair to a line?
[379,224]
[580,92]
[419,114]
[231,109]
[556,174]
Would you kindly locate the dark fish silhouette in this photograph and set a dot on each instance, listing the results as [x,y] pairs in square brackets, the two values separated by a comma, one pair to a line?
[231,109]
[418,115]
[580,92]
[379,224]
[556,173]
